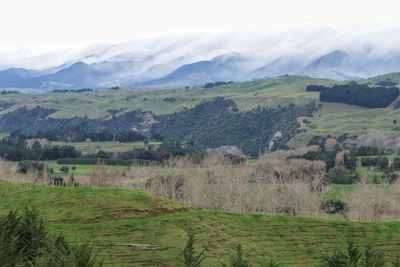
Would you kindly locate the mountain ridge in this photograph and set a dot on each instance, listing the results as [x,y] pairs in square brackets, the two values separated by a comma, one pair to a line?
[129,70]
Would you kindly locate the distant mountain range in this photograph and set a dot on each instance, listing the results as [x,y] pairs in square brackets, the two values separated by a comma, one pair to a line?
[194,61]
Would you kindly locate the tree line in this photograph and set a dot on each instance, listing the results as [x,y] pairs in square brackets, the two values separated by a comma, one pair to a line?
[16,150]
[357,94]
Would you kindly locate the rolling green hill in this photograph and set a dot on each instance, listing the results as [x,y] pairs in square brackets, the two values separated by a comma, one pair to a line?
[330,118]
[114,220]
[247,95]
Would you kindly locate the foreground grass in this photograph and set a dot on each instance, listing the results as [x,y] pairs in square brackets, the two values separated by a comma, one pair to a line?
[115,219]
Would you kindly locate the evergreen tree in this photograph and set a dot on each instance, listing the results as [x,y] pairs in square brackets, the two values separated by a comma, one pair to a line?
[190,258]
[24,241]
[238,259]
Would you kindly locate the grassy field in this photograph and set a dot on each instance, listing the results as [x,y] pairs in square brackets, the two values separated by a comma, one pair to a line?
[248,95]
[113,219]
[110,146]
[79,169]
[338,191]
[337,119]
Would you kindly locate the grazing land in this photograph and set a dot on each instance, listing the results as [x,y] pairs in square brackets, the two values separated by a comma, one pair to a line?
[106,146]
[251,188]
[330,118]
[79,169]
[115,219]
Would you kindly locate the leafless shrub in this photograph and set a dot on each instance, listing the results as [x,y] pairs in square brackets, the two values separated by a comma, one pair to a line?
[214,160]
[100,176]
[330,144]
[339,158]
[371,202]
[289,186]
[289,198]
[376,139]
[288,170]
[40,177]
[276,185]
[223,187]
[167,186]
[8,171]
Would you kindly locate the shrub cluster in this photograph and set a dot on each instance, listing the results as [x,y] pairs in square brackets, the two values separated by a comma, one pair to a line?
[25,241]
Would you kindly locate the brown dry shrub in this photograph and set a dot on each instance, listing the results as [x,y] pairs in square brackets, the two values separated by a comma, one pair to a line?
[8,171]
[372,202]
[100,176]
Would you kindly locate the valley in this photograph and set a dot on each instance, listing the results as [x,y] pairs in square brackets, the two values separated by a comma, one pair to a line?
[263,164]
[207,133]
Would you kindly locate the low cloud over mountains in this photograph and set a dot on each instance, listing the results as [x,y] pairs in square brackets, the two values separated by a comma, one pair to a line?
[195,59]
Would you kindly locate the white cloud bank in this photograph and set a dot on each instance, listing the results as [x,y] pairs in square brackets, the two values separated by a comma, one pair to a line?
[177,49]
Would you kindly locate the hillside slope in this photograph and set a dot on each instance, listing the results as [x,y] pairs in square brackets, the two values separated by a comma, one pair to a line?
[114,218]
[330,118]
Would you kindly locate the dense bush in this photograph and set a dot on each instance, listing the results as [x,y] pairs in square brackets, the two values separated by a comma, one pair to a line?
[333,206]
[383,163]
[327,156]
[215,84]
[360,95]
[366,151]
[318,140]
[369,161]
[350,162]
[30,166]
[379,162]
[315,88]
[211,124]
[396,164]
[64,168]
[129,136]
[219,122]
[83,90]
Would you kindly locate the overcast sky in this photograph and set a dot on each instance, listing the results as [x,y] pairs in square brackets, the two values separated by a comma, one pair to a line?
[53,23]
